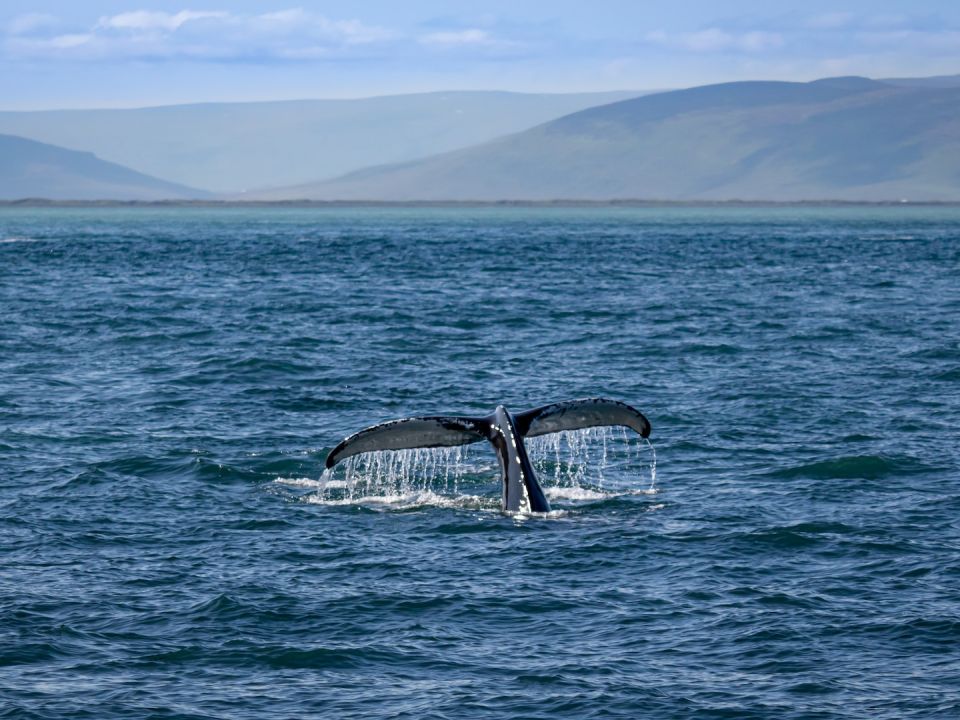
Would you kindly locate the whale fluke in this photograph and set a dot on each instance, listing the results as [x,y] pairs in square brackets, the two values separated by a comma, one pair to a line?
[505,432]
[579,414]
[408,433]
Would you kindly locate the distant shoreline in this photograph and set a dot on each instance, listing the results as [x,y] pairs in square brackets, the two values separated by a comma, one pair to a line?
[42,203]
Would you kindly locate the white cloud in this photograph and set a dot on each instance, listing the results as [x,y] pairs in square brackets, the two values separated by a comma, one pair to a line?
[293,34]
[283,17]
[31,22]
[714,40]
[915,40]
[887,21]
[830,21]
[847,21]
[70,41]
[147,20]
[453,38]
[298,20]
[473,41]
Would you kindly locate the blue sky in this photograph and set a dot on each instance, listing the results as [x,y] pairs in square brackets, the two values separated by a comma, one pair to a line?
[122,53]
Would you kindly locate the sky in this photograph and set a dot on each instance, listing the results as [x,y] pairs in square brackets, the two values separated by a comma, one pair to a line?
[130,53]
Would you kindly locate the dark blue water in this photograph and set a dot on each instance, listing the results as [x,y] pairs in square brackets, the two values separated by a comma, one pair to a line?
[171,380]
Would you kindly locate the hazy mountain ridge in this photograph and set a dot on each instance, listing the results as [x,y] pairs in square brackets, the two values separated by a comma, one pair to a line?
[31,169]
[837,138]
[232,147]
[844,139]
[942,81]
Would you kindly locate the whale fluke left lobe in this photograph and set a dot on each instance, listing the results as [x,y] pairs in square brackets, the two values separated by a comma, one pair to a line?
[415,432]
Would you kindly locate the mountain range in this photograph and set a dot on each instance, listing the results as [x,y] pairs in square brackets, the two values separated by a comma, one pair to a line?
[232,147]
[835,139]
[847,138]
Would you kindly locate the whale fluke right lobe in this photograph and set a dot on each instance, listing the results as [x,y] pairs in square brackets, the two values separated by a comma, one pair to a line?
[579,414]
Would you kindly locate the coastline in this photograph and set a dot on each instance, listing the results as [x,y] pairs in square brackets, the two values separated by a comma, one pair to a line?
[559,203]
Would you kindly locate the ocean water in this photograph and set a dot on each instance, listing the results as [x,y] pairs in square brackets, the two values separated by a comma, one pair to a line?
[172,379]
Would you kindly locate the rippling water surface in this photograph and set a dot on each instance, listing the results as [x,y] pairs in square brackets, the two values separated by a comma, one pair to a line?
[171,380]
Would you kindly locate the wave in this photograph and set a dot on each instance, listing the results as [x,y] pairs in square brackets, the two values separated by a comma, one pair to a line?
[867,467]
[574,493]
[336,493]
[949,375]
[245,654]
[427,499]
[579,493]
[303,482]
[798,535]
[935,632]
[707,348]
[410,501]
[173,466]
[946,351]
[4,241]
[31,652]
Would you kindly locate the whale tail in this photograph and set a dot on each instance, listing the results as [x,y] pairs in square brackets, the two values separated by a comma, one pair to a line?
[447,431]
